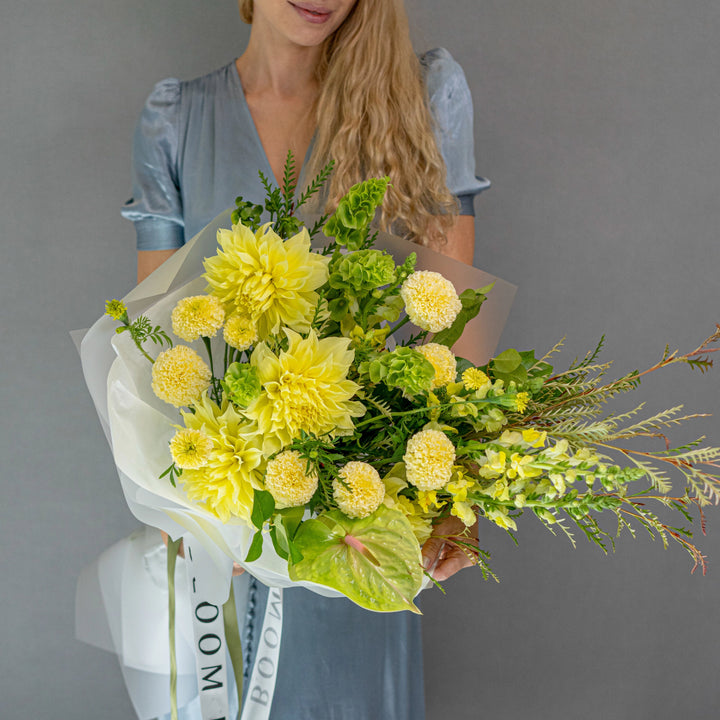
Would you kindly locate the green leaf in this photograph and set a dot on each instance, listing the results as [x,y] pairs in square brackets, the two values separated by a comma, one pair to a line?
[291,519]
[374,561]
[279,540]
[263,508]
[507,366]
[255,550]
[472,301]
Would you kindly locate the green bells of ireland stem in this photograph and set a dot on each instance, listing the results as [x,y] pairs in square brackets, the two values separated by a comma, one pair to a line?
[350,222]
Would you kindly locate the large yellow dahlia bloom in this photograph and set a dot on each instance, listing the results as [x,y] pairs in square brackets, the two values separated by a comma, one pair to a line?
[305,388]
[270,279]
[224,484]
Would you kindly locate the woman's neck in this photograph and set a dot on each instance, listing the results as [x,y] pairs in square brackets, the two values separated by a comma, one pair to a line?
[277,68]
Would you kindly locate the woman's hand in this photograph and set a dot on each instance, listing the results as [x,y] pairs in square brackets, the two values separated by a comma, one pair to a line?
[237,570]
[441,558]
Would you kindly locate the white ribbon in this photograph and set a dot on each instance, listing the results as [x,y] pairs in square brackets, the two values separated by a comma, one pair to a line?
[209,633]
[258,700]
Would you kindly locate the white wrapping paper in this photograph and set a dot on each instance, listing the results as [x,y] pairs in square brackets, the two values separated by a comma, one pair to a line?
[122,597]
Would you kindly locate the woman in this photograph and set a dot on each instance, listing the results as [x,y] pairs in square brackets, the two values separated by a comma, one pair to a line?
[327,79]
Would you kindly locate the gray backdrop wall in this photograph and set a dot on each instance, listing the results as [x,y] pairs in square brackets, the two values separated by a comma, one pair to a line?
[598,124]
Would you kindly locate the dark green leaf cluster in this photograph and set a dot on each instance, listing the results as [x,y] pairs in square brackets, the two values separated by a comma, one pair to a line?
[280,204]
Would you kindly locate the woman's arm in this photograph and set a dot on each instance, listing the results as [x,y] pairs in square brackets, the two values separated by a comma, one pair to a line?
[460,243]
[150,260]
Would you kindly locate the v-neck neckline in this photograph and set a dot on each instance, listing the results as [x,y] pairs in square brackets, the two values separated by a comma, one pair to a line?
[250,122]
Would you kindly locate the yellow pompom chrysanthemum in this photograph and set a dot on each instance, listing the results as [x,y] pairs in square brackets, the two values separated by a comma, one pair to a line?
[442,360]
[522,400]
[197,316]
[429,459]
[224,485]
[431,301]
[190,449]
[364,492]
[287,481]
[179,375]
[240,331]
[305,389]
[474,379]
[270,279]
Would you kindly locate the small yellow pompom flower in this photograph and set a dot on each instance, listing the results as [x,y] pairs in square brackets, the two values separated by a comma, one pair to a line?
[190,449]
[240,331]
[429,459]
[179,375]
[197,316]
[522,400]
[442,360]
[474,379]
[431,301]
[287,481]
[116,309]
[364,493]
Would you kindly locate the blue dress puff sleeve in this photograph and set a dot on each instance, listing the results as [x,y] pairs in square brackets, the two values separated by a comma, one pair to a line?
[452,110]
[156,205]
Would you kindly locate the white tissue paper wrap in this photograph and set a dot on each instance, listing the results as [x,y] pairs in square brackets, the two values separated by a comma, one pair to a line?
[122,597]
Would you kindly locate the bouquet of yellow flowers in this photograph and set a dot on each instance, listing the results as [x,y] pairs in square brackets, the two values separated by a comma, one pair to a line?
[318,441]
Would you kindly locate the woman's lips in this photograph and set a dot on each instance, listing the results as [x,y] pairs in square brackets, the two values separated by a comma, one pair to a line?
[311,13]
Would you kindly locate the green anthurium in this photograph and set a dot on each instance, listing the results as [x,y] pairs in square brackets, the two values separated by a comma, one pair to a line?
[375,561]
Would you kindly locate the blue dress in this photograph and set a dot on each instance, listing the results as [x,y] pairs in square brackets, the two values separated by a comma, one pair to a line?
[195,149]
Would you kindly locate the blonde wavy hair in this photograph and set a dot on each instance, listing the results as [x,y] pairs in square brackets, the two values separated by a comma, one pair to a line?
[373,119]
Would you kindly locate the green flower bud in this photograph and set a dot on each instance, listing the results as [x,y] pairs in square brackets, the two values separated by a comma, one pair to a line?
[363,271]
[241,384]
[403,368]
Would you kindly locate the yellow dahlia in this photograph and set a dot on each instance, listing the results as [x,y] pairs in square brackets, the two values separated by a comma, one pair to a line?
[474,379]
[179,375]
[197,316]
[442,360]
[287,481]
[224,485]
[305,388]
[430,300]
[240,331]
[190,449]
[272,280]
[429,458]
[362,492]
